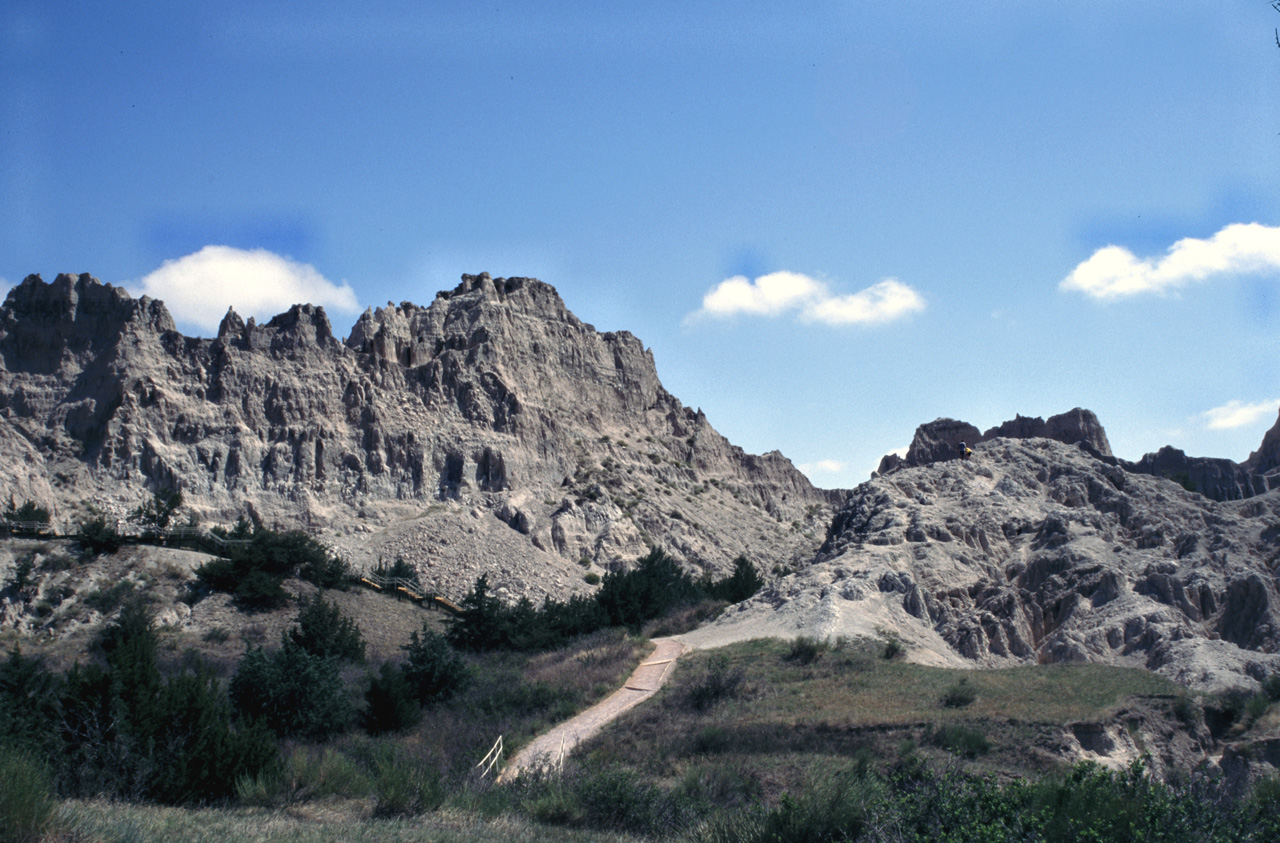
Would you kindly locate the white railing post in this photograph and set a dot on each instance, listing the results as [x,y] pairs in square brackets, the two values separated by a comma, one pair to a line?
[493,757]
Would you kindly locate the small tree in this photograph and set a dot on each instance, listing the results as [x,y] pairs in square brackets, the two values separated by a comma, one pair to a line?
[156,514]
[29,511]
[324,631]
[97,535]
[433,670]
[479,626]
[390,704]
[741,584]
[295,693]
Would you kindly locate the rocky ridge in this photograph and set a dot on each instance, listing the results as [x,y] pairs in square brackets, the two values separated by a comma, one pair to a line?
[1039,551]
[489,431]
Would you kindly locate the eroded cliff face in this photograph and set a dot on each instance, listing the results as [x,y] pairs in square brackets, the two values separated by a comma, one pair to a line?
[1036,551]
[491,422]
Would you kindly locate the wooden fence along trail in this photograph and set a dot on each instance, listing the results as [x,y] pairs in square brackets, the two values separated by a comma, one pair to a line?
[409,588]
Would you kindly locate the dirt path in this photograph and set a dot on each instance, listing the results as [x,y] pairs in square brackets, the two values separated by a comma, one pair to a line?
[549,748]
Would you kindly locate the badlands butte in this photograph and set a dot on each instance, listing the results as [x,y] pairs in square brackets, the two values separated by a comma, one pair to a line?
[493,432]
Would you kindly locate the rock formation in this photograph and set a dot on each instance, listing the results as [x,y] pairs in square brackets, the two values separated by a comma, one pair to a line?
[490,431]
[1038,551]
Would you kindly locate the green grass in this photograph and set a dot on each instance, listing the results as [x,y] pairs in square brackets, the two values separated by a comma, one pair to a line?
[788,715]
[329,822]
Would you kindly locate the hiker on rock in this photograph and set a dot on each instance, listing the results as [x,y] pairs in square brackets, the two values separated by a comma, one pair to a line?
[964,450]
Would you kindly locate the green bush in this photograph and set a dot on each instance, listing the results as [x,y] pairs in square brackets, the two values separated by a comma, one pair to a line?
[26,798]
[390,702]
[717,682]
[260,590]
[28,704]
[254,573]
[404,786]
[433,670]
[98,536]
[961,740]
[838,808]
[105,600]
[156,514]
[805,650]
[322,630]
[959,695]
[744,582]
[295,693]
[307,773]
[29,511]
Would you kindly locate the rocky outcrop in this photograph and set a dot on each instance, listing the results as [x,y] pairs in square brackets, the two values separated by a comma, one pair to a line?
[941,439]
[1219,479]
[492,405]
[1036,551]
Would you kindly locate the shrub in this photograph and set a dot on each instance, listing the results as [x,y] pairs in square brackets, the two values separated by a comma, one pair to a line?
[1271,686]
[836,809]
[156,514]
[260,590]
[893,649]
[22,583]
[959,695]
[744,582]
[403,786]
[1256,706]
[28,704]
[106,600]
[961,740]
[29,511]
[591,578]
[656,585]
[390,704]
[805,650]
[296,693]
[98,536]
[433,670]
[26,798]
[1185,710]
[200,753]
[255,572]
[322,630]
[717,682]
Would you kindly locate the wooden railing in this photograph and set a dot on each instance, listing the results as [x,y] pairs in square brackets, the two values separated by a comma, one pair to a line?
[410,588]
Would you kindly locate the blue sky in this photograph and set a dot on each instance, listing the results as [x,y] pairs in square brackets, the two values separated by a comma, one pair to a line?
[831,221]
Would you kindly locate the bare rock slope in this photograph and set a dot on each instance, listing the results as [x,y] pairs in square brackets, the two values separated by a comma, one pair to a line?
[1038,551]
[489,431]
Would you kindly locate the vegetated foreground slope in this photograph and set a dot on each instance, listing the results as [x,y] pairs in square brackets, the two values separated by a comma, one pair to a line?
[1036,551]
[489,426]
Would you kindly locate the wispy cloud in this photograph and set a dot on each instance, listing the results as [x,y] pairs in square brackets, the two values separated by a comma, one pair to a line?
[822,467]
[1114,272]
[1235,414]
[812,300]
[198,289]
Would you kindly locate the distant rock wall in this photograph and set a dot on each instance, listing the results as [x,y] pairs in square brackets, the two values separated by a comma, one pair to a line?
[494,396]
[1038,552]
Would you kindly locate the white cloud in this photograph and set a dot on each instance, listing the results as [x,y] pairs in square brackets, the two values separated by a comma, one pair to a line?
[781,292]
[1235,414]
[198,289]
[1114,272]
[822,467]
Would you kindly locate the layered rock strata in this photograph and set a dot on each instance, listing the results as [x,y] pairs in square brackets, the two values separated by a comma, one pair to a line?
[491,419]
[1036,551]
